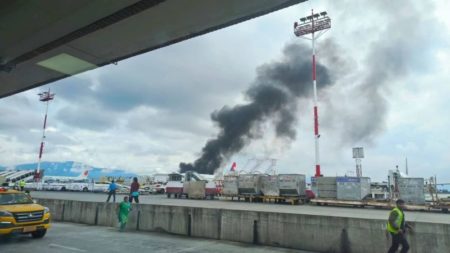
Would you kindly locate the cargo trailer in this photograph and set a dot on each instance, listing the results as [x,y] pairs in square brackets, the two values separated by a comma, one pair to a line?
[352,188]
[269,185]
[293,185]
[249,184]
[230,186]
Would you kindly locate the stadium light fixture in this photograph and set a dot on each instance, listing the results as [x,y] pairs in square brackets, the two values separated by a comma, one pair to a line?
[316,25]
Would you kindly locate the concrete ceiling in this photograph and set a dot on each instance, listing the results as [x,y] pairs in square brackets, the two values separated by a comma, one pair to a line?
[47,40]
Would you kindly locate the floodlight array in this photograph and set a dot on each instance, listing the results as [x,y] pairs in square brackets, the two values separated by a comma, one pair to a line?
[313,25]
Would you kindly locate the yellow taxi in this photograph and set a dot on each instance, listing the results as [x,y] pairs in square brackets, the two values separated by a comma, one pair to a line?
[20,215]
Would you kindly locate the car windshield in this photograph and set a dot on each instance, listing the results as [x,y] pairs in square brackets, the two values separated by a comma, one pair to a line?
[15,198]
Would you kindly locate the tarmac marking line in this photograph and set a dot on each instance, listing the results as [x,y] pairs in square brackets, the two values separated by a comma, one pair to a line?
[65,247]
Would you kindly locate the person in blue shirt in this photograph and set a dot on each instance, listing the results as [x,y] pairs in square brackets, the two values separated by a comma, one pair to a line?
[112,191]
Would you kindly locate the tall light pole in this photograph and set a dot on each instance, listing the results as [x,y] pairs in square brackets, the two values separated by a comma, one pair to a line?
[315,23]
[46,97]
[358,154]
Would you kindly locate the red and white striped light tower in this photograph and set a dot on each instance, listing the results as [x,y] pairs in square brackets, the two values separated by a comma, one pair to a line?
[315,23]
[46,97]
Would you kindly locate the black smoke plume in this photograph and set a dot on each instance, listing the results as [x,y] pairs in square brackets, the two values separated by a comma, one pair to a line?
[273,96]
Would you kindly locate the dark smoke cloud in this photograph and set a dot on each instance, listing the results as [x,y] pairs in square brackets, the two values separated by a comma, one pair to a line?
[273,96]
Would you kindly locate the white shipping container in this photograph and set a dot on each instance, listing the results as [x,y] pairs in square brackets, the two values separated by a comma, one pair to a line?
[411,190]
[292,184]
[249,184]
[195,189]
[352,188]
[269,185]
[326,187]
[230,185]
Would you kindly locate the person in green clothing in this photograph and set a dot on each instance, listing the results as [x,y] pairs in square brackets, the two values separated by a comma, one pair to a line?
[124,209]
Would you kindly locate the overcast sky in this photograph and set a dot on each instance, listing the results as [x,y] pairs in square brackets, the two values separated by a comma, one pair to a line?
[388,64]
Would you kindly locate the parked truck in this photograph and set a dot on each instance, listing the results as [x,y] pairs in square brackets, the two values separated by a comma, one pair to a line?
[190,185]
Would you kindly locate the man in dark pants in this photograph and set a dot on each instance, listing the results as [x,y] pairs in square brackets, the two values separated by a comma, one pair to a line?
[397,228]
[112,191]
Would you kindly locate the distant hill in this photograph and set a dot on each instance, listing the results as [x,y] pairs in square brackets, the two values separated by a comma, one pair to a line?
[71,169]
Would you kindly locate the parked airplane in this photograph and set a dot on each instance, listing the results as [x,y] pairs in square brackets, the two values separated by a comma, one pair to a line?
[57,183]
[83,175]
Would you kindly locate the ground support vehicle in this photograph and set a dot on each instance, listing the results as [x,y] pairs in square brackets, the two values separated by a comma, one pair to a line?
[20,215]
[386,204]
[283,199]
[192,187]
[293,200]
[442,204]
[174,188]
[155,188]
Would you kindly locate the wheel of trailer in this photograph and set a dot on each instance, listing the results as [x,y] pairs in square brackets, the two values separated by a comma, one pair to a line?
[445,210]
[39,234]
[168,195]
[85,189]
[63,188]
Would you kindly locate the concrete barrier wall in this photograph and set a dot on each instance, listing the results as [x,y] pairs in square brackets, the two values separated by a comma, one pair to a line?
[298,231]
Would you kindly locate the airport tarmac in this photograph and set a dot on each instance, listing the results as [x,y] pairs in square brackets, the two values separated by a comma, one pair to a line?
[73,238]
[365,213]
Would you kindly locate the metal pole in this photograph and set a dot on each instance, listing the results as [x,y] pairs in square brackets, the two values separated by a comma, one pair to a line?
[316,113]
[45,97]
[306,27]
[42,139]
[358,167]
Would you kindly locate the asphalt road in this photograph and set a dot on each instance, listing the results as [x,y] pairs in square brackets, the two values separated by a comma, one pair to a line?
[365,213]
[75,238]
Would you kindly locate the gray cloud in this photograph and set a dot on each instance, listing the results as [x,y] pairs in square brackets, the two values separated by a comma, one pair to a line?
[87,117]
[402,49]
[158,80]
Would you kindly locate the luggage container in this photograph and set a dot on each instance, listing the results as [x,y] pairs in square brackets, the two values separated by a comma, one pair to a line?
[326,187]
[292,185]
[352,188]
[411,190]
[249,184]
[269,185]
[230,185]
[194,189]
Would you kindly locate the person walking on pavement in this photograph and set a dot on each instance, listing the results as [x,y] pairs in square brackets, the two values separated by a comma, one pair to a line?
[134,191]
[397,228]
[22,185]
[124,209]
[112,191]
